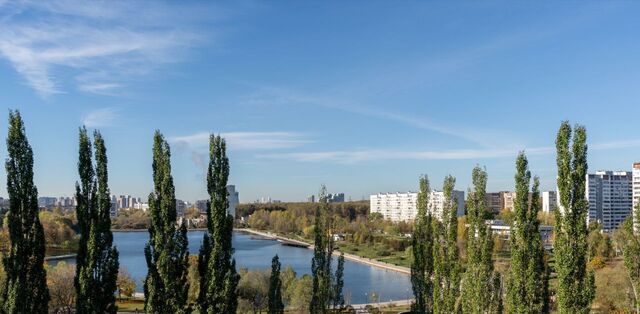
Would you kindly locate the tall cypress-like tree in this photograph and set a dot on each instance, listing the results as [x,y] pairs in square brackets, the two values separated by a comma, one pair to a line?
[217,267]
[322,253]
[422,248]
[576,285]
[166,286]
[447,262]
[97,260]
[480,287]
[25,290]
[338,296]
[276,306]
[631,254]
[528,286]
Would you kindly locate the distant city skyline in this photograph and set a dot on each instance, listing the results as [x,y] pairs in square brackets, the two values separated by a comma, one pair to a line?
[363,99]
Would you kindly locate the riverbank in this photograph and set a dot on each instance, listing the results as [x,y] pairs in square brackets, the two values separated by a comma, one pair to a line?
[349,256]
[59,257]
[147,230]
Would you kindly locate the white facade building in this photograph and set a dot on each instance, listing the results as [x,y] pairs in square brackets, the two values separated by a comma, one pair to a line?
[403,206]
[636,192]
[549,201]
[610,196]
[636,184]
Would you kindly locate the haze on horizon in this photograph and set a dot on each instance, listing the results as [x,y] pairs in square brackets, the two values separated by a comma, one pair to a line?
[362,98]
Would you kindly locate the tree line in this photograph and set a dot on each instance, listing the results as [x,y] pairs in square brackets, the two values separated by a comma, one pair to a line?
[166,287]
[441,284]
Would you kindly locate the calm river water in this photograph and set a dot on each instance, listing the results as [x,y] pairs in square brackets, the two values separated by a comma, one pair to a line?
[250,252]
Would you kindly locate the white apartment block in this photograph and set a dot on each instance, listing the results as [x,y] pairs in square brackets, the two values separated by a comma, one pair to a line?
[636,184]
[636,192]
[403,206]
[549,201]
[610,196]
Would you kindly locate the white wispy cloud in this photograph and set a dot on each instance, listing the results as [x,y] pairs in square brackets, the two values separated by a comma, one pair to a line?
[354,156]
[281,96]
[95,46]
[100,118]
[364,155]
[618,144]
[244,140]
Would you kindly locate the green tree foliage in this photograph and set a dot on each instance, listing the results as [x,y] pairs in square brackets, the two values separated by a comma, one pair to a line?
[338,296]
[166,286]
[125,283]
[322,253]
[97,260]
[59,229]
[600,245]
[131,219]
[447,263]
[576,285]
[25,290]
[61,288]
[528,285]
[253,290]
[276,306]
[422,248]
[481,285]
[630,240]
[218,277]
[301,294]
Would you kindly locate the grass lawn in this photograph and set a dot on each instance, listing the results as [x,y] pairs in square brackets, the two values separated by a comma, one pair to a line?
[130,306]
[376,252]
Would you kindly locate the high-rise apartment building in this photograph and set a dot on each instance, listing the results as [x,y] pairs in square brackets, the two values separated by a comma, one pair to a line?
[610,196]
[234,200]
[636,184]
[549,201]
[494,202]
[507,199]
[403,206]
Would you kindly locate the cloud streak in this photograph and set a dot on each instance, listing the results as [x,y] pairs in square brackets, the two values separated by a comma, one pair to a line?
[355,156]
[367,155]
[100,45]
[100,118]
[281,96]
[244,140]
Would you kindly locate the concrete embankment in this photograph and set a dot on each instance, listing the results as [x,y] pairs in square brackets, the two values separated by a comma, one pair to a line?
[351,257]
[59,257]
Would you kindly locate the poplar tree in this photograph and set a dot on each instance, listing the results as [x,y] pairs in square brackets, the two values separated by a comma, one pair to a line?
[422,248]
[631,254]
[528,285]
[217,267]
[480,287]
[576,285]
[446,264]
[276,306]
[166,286]
[25,289]
[322,253]
[97,259]
[338,296]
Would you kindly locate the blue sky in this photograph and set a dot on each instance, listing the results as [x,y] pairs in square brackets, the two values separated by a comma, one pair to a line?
[361,96]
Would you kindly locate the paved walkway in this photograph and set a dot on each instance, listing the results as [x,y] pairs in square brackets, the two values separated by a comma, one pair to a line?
[383,304]
[59,257]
